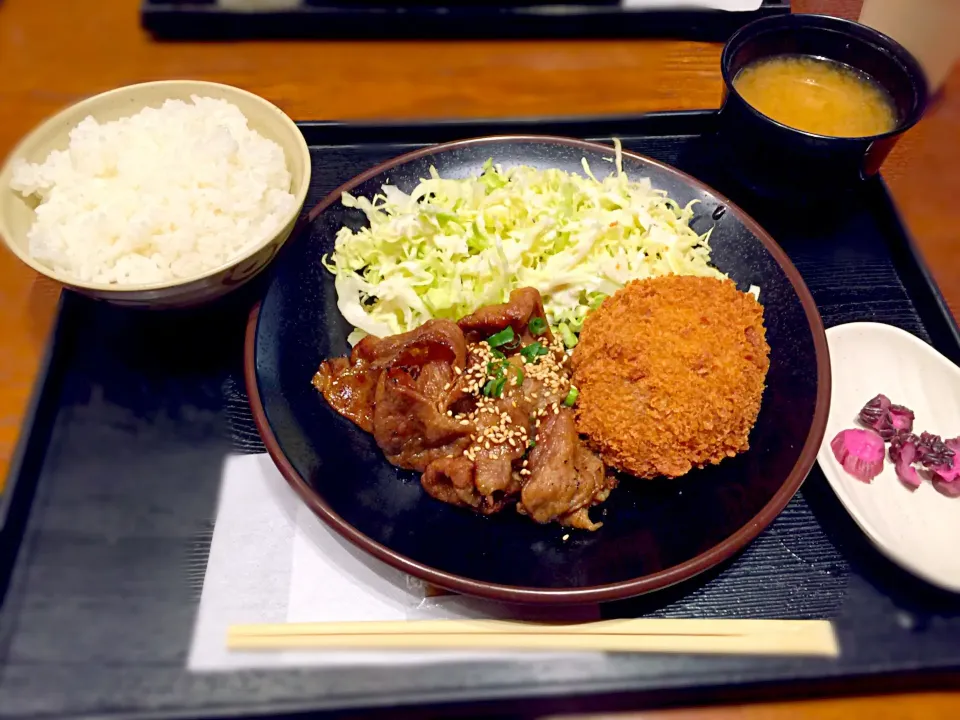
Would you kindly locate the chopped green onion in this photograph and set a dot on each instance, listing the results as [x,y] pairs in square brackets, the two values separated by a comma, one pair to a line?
[519,377]
[496,369]
[571,397]
[533,444]
[494,386]
[498,355]
[501,338]
[537,326]
[566,334]
[532,351]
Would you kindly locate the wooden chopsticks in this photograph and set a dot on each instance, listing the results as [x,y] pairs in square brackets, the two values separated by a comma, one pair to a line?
[715,636]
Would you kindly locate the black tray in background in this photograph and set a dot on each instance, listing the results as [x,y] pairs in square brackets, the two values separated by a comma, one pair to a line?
[111,501]
[214,20]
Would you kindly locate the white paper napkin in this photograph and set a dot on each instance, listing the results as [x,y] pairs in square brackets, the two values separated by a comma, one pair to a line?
[272,560]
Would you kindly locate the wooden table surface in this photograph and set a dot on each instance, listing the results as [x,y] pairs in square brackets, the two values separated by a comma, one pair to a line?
[55,52]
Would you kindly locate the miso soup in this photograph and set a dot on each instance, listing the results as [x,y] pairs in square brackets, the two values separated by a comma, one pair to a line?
[816,95]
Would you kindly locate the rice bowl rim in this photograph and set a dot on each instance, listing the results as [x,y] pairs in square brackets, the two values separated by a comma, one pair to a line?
[51,126]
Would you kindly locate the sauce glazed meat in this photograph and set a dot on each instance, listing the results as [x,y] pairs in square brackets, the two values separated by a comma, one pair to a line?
[480,407]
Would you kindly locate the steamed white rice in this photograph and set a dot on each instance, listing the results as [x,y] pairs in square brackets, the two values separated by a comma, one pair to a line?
[165,194]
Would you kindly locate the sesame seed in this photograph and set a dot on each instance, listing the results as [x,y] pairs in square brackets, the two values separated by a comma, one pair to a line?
[464,422]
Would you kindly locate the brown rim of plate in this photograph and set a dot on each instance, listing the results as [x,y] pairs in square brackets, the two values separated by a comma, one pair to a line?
[568,596]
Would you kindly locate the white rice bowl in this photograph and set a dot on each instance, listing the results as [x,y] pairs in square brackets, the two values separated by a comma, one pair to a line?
[166,194]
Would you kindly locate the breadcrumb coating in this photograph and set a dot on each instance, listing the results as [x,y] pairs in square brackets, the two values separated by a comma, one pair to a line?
[671,372]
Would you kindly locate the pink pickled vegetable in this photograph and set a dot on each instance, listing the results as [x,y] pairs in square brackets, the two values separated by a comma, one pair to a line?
[887,419]
[901,418]
[933,450]
[945,473]
[857,450]
[877,405]
[876,416]
[860,452]
[903,454]
[949,471]
[950,489]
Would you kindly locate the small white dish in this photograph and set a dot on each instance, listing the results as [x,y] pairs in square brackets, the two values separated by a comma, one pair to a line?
[920,529]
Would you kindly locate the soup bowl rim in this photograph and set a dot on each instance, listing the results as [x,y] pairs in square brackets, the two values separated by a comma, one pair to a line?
[828,23]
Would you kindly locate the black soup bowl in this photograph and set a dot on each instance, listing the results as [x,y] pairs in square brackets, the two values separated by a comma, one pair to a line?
[777,160]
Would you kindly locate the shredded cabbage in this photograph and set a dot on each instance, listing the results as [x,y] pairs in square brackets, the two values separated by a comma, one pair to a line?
[451,246]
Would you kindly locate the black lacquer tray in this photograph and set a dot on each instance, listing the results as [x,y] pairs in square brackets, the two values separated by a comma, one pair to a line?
[110,504]
[230,20]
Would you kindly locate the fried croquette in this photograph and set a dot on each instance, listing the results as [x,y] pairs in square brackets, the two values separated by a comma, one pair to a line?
[671,371]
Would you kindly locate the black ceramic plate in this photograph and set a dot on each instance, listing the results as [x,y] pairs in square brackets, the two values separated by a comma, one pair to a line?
[655,533]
